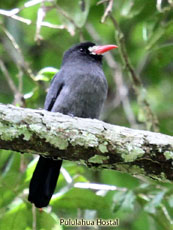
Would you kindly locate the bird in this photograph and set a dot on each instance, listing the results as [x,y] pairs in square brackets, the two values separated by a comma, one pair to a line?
[78,89]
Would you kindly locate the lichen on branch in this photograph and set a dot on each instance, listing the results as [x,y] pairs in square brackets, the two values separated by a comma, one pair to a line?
[89,141]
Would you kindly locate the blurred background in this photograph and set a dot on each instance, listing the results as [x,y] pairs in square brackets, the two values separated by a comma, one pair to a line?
[33,37]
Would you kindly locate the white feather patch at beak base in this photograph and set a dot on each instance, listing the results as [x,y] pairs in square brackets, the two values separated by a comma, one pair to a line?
[93,49]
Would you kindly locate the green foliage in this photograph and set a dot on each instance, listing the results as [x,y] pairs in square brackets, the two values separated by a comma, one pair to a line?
[76,10]
[19,217]
[79,198]
[46,74]
[148,32]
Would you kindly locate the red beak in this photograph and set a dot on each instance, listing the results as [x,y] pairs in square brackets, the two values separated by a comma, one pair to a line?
[102,49]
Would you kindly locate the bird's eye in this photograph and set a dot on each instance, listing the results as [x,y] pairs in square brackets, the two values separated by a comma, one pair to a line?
[81,50]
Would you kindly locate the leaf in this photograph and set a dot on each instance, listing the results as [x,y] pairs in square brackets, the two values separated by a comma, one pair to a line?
[142,10]
[73,168]
[154,203]
[46,74]
[77,11]
[162,33]
[19,217]
[170,201]
[118,199]
[80,198]
[34,97]
[30,169]
[11,183]
[155,37]
[128,202]
[47,221]
[124,201]
[132,8]
[6,158]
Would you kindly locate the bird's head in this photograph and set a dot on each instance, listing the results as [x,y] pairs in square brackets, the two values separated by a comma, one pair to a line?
[88,51]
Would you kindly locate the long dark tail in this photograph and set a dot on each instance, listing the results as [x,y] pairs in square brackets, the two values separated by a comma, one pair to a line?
[44,181]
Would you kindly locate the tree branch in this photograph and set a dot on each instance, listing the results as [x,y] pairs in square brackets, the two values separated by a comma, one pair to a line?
[92,142]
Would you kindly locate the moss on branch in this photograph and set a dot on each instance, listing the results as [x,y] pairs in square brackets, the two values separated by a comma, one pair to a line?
[90,141]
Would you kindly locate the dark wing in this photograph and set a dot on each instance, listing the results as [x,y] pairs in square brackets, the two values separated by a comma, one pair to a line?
[54,90]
